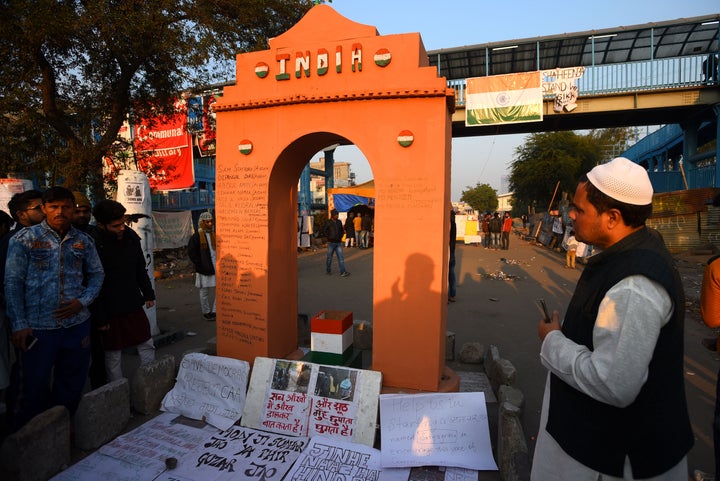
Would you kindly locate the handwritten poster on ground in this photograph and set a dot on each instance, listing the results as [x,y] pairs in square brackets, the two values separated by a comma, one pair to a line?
[441,429]
[140,454]
[239,453]
[327,458]
[211,388]
[304,399]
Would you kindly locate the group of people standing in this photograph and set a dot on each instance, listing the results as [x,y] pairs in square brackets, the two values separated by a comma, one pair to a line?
[74,296]
[496,230]
[357,230]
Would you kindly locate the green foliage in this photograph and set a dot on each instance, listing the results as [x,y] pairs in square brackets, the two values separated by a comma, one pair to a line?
[73,71]
[551,157]
[482,197]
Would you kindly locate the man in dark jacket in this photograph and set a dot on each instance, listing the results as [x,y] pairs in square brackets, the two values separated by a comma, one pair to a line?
[201,250]
[333,230]
[126,289]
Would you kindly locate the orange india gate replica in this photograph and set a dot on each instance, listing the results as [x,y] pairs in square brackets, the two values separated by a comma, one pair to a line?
[329,80]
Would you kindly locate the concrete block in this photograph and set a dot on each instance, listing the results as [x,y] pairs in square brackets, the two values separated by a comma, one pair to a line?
[501,372]
[39,450]
[362,335]
[471,353]
[449,346]
[513,458]
[102,415]
[512,395]
[150,384]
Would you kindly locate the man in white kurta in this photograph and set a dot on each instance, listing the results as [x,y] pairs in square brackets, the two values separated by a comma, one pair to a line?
[633,317]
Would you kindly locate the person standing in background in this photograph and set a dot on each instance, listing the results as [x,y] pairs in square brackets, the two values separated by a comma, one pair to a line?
[125,292]
[506,228]
[83,212]
[357,228]
[366,228]
[201,250]
[570,254]
[451,271]
[350,230]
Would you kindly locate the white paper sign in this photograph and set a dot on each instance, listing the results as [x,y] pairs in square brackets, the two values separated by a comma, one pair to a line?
[436,430]
[210,388]
[330,459]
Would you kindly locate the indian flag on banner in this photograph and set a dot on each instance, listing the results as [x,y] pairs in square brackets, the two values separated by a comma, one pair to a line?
[500,99]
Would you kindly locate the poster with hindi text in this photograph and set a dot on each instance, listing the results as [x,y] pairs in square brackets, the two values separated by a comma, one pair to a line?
[306,399]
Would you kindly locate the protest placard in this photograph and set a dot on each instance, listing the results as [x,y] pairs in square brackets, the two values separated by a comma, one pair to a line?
[441,429]
[140,454]
[210,388]
[306,399]
[239,453]
[327,458]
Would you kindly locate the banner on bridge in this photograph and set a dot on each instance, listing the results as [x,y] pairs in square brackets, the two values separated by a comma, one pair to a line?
[500,99]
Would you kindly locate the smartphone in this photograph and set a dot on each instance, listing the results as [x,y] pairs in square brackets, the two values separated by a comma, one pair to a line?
[543,309]
[30,341]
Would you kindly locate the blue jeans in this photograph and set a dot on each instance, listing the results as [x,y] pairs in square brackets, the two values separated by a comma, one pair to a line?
[337,248]
[67,350]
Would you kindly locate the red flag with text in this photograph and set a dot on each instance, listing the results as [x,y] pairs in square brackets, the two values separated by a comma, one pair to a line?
[164,149]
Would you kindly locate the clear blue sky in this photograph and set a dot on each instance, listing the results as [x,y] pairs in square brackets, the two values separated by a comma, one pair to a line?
[456,23]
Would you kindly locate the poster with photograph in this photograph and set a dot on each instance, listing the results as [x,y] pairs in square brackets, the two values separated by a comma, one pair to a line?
[300,398]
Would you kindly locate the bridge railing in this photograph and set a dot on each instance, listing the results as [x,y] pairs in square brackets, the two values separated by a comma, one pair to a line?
[666,73]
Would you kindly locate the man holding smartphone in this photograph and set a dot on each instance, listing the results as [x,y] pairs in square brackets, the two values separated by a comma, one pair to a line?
[46,299]
[615,405]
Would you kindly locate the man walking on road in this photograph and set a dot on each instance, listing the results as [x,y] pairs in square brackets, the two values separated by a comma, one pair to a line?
[333,230]
[615,405]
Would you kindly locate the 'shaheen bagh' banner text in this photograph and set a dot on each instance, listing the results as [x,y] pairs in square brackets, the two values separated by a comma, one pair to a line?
[165,151]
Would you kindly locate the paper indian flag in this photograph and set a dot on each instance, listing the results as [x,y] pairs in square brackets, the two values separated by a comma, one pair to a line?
[500,99]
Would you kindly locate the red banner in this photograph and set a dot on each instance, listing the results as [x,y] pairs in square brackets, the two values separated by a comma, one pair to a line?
[164,149]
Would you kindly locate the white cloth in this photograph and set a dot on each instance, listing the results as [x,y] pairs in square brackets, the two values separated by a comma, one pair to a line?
[628,324]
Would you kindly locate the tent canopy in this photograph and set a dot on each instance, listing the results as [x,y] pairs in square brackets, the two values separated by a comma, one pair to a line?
[344,198]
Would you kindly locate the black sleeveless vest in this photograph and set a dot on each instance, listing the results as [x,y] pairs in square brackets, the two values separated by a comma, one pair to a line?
[654,431]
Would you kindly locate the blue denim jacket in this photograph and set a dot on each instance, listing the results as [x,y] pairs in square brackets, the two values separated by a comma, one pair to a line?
[41,270]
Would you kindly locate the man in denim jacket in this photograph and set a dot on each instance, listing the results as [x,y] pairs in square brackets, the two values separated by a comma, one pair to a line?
[47,301]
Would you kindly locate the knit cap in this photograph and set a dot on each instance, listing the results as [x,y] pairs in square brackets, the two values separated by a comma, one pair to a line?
[81,200]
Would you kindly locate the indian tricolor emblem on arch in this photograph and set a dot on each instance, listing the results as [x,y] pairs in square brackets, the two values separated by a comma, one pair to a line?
[245,147]
[383,57]
[262,69]
[405,138]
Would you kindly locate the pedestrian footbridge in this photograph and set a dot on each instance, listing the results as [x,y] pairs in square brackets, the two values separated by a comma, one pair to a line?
[663,73]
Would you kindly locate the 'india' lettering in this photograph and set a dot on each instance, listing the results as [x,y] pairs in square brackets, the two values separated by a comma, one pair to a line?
[304,62]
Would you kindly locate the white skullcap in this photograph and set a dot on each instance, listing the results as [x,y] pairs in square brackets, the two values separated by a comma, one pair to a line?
[205,216]
[623,180]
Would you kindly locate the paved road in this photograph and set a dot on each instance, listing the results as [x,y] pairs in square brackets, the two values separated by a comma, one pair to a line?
[488,310]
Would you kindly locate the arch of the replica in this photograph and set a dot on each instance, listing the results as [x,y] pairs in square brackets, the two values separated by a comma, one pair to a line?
[330,80]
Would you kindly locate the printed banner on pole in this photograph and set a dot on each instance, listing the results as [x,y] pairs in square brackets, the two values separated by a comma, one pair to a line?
[500,99]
